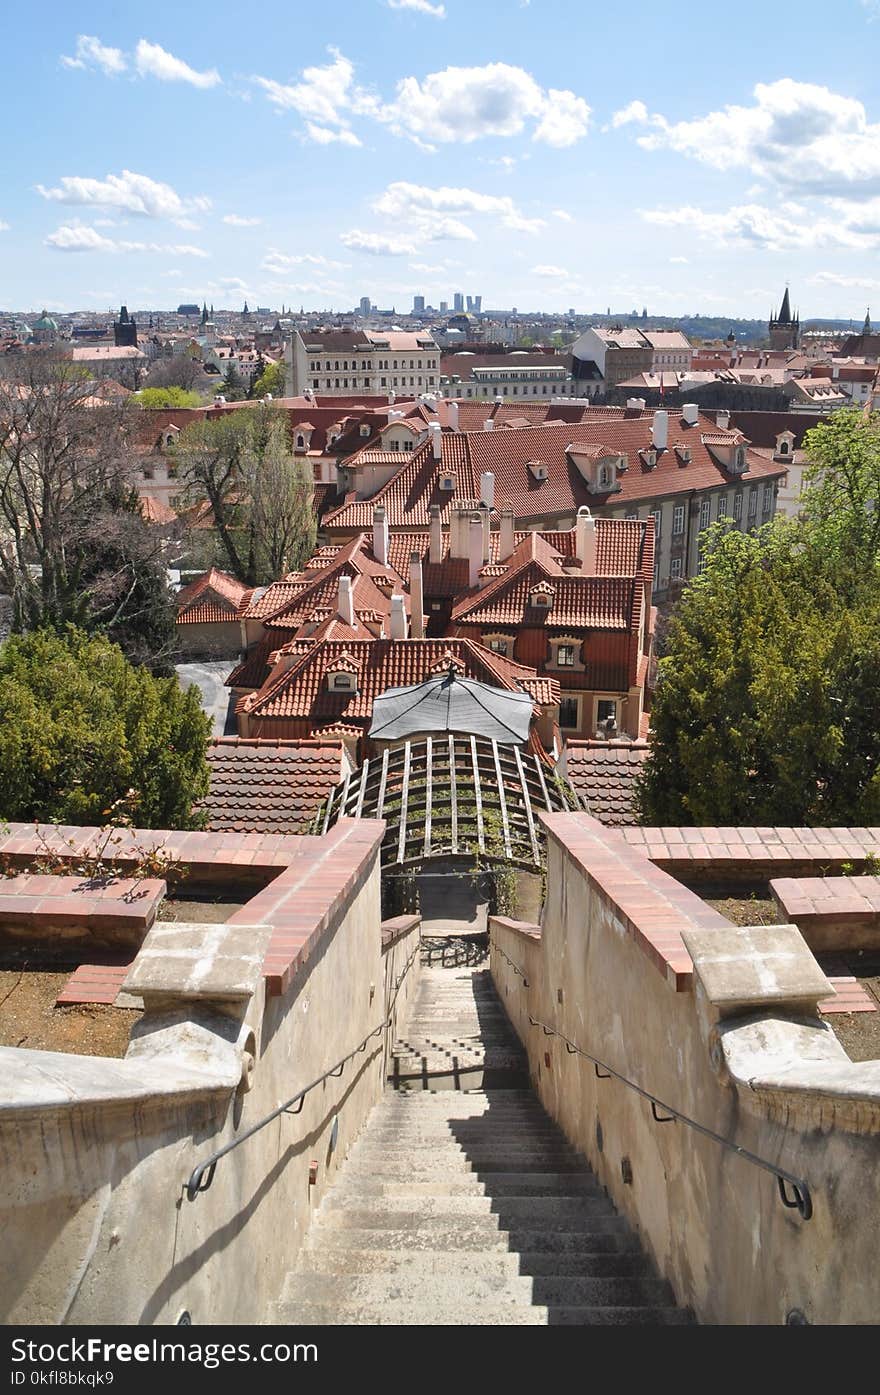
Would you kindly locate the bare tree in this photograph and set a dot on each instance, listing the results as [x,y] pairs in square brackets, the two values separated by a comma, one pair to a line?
[260,498]
[73,545]
[177,370]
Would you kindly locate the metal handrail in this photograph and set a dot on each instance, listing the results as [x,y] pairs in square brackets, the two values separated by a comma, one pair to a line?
[515,967]
[801,1200]
[202,1176]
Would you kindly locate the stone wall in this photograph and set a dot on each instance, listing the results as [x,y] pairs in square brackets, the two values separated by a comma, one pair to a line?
[719,1023]
[96,1153]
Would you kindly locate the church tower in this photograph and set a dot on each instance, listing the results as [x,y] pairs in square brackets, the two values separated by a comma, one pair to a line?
[785,329]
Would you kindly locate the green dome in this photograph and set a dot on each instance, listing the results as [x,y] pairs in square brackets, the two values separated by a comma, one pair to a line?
[44,322]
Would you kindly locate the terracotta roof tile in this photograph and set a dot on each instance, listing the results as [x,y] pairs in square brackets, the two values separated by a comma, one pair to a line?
[269,786]
[604,773]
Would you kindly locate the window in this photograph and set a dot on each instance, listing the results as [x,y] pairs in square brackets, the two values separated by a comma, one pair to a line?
[342,682]
[565,655]
[753,502]
[678,519]
[606,709]
[632,516]
[149,472]
[738,507]
[300,442]
[498,644]
[767,500]
[722,506]
[568,712]
[705,510]
[657,515]
[675,569]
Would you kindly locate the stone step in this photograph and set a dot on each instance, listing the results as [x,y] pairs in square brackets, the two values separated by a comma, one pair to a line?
[444,1289]
[315,1258]
[608,1235]
[379,1215]
[464,1135]
[409,1314]
[474,1159]
[511,1184]
[423,1168]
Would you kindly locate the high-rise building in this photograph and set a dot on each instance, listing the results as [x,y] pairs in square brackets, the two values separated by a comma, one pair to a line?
[444,307]
[478,304]
[458,302]
[365,305]
[418,305]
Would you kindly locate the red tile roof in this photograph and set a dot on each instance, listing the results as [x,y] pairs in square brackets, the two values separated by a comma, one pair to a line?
[269,786]
[212,597]
[300,690]
[155,511]
[466,455]
[604,774]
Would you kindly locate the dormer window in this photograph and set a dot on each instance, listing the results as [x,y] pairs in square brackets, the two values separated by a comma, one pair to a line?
[300,441]
[541,596]
[538,469]
[565,655]
[739,458]
[447,482]
[342,675]
[650,458]
[499,644]
[365,430]
[606,476]
[342,682]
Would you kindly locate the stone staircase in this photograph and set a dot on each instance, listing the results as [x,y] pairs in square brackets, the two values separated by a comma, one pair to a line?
[465,1204]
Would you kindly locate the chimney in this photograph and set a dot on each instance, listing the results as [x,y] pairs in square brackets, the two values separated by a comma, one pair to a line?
[635,404]
[391,397]
[691,413]
[435,555]
[722,420]
[487,534]
[458,538]
[398,618]
[585,541]
[488,424]
[505,537]
[660,429]
[452,414]
[345,605]
[475,549]
[380,535]
[416,596]
[436,439]
[487,489]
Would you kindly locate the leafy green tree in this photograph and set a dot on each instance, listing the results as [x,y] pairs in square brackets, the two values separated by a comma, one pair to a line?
[260,496]
[761,714]
[841,503]
[159,397]
[82,727]
[233,386]
[271,380]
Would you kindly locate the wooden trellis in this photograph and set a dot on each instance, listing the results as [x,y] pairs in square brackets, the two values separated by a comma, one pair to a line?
[452,796]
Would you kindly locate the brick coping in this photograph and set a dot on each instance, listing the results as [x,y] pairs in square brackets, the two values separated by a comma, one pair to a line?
[315,875]
[762,849]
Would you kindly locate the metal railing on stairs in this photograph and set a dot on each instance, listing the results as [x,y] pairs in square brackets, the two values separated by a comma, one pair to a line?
[800,1198]
[202,1176]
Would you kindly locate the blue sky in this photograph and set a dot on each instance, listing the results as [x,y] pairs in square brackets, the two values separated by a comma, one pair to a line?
[545,154]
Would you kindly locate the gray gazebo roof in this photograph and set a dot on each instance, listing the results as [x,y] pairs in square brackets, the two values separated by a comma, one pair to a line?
[449,703]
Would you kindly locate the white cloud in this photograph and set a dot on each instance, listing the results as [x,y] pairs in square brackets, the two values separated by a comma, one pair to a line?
[765,229]
[135,193]
[635,111]
[834,278]
[74,237]
[236,221]
[456,105]
[91,53]
[154,61]
[561,213]
[549,272]
[422,7]
[679,261]
[426,208]
[323,135]
[377,244]
[278,262]
[4,226]
[798,134]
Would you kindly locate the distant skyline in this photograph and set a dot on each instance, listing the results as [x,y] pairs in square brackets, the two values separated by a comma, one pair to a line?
[539,154]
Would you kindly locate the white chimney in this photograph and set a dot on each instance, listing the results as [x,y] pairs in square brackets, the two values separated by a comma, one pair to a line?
[585,541]
[452,414]
[722,420]
[416,596]
[691,413]
[499,401]
[345,605]
[458,537]
[660,429]
[391,397]
[380,535]
[436,439]
[435,555]
[505,538]
[398,618]
[488,424]
[487,489]
[635,404]
[475,549]
[487,534]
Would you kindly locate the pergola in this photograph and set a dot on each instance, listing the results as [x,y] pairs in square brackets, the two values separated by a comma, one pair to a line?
[453,795]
